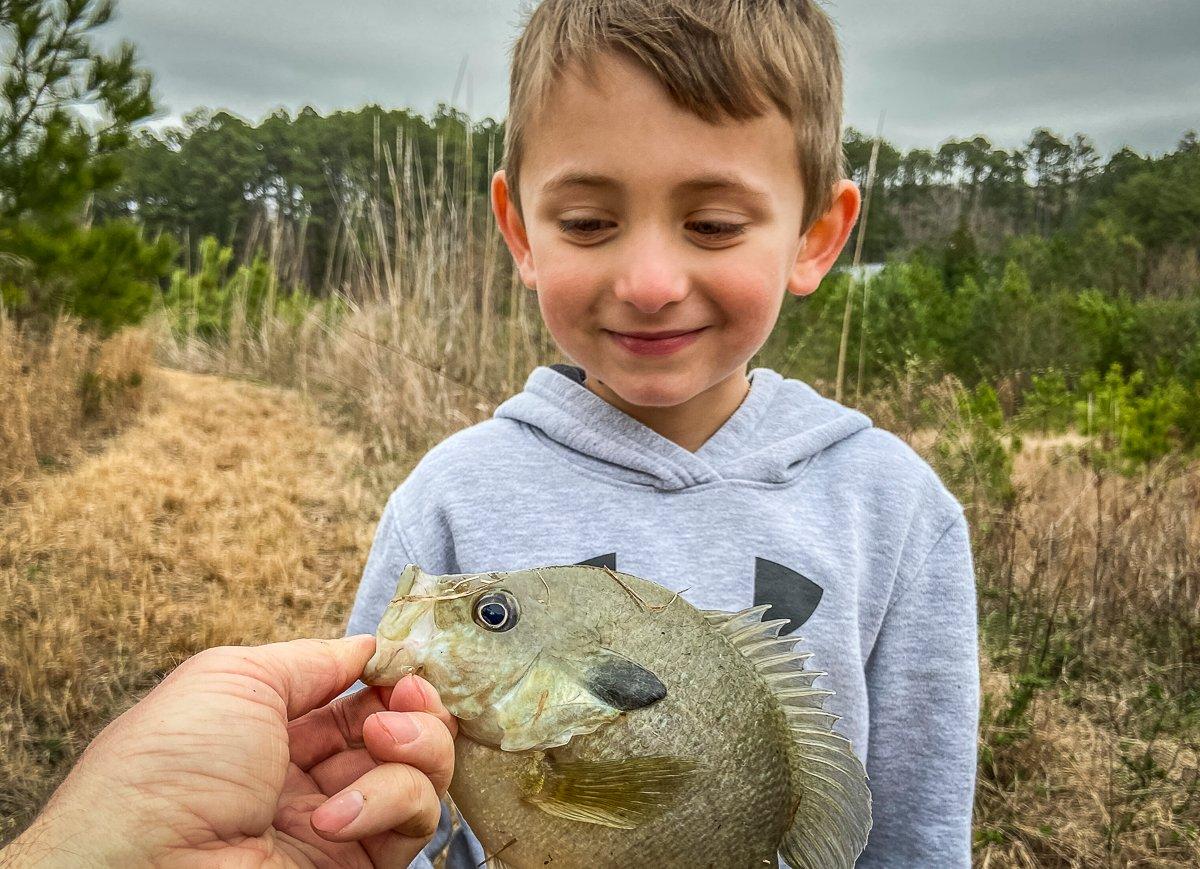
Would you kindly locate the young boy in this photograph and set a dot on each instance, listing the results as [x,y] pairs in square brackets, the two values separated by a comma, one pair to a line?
[672,169]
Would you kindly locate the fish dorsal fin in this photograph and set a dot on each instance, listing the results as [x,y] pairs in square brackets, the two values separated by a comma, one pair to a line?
[833,804]
[612,793]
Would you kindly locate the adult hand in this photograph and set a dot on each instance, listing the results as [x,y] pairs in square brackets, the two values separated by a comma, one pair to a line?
[238,758]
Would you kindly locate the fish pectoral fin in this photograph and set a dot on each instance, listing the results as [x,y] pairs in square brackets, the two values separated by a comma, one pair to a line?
[620,682]
[613,793]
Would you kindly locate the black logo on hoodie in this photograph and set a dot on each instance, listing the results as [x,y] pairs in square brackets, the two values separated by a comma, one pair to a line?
[792,595]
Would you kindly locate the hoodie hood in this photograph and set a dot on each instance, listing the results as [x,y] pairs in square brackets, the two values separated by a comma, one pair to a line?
[777,429]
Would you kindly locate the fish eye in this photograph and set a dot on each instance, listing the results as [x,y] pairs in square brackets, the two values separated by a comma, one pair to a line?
[496,611]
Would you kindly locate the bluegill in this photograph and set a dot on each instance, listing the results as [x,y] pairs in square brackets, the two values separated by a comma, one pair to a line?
[604,721]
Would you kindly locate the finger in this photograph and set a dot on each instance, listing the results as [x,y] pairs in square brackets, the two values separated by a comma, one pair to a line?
[392,849]
[393,797]
[414,738]
[307,674]
[414,694]
[331,729]
[342,770]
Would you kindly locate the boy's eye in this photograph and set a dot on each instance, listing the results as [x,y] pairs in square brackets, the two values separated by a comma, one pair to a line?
[582,226]
[589,228]
[717,230]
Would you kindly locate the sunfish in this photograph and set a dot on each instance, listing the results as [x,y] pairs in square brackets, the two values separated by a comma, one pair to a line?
[606,722]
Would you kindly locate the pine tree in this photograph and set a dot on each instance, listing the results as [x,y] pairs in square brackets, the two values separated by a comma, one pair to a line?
[53,160]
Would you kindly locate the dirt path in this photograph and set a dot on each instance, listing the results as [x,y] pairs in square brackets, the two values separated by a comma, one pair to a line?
[227,514]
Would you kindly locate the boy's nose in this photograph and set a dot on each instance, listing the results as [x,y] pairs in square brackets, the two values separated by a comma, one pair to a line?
[651,278]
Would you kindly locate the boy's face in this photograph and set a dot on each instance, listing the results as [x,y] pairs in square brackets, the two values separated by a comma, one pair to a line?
[680,226]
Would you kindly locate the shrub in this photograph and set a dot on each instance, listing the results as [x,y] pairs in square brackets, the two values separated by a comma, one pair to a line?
[1049,405]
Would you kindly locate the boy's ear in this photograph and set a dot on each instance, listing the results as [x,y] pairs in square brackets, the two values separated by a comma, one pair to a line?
[825,239]
[513,229]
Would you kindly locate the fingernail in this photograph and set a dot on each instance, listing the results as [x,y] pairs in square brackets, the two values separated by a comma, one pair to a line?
[401,727]
[332,815]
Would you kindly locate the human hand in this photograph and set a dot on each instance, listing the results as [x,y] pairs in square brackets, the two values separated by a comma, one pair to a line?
[238,758]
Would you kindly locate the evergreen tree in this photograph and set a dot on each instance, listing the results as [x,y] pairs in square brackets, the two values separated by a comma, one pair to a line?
[52,162]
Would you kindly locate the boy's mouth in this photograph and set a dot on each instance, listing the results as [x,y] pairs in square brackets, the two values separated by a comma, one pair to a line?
[656,343]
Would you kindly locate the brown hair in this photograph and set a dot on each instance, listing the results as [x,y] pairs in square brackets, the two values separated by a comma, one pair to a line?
[716,58]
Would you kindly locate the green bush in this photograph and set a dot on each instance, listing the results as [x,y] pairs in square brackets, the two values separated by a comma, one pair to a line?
[207,301]
[974,451]
[1048,404]
[1131,423]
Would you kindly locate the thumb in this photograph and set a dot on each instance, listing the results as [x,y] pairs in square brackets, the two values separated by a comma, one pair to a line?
[307,674]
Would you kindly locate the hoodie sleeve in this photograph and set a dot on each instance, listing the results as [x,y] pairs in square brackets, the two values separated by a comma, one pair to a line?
[389,555]
[412,530]
[391,551]
[923,694]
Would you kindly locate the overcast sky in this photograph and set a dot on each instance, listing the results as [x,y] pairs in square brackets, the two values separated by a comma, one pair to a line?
[1126,72]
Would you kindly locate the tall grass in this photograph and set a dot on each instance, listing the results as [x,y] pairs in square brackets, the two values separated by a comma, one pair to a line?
[1089,583]
[229,515]
[429,328]
[61,387]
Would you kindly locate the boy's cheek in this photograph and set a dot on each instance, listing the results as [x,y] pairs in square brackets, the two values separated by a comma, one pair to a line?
[568,291]
[746,291]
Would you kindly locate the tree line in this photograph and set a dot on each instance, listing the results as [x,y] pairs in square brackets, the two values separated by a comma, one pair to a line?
[1004,264]
[1128,221]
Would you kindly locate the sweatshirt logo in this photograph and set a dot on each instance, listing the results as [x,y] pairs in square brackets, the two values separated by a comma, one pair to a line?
[791,594]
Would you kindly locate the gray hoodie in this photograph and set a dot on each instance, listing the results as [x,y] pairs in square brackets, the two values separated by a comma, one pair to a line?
[796,501]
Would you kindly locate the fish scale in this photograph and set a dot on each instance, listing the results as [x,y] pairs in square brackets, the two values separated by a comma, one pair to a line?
[739,712]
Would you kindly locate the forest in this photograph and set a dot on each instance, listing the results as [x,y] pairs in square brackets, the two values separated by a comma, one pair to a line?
[1042,270]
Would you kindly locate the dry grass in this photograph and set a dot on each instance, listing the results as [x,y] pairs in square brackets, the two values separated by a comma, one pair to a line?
[1091,622]
[1065,789]
[1089,587]
[400,370]
[61,389]
[229,514]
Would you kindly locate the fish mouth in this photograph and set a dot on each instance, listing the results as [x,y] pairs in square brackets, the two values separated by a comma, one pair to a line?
[405,632]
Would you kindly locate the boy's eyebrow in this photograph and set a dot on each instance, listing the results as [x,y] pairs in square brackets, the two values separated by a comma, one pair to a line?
[573,178]
[720,181]
[699,184]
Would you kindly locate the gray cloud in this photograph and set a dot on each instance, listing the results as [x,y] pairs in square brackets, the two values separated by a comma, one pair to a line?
[1123,71]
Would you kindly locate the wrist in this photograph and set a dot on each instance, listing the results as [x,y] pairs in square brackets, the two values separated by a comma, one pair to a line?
[66,835]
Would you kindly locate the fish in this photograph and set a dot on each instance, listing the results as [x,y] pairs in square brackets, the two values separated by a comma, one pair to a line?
[604,721]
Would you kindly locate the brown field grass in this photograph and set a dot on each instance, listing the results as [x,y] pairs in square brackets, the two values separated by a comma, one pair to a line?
[60,390]
[1090,607]
[229,514]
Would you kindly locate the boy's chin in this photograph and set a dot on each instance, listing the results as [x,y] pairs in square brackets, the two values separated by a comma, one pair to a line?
[659,390]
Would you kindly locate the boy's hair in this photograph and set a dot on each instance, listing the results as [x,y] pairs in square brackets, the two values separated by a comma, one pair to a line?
[716,58]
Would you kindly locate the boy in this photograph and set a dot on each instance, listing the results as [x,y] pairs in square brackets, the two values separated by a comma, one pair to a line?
[672,168]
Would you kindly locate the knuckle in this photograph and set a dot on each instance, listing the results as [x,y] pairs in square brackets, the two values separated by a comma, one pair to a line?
[415,786]
[423,822]
[215,659]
